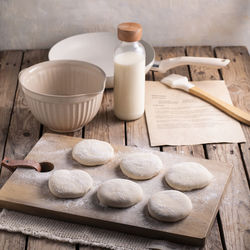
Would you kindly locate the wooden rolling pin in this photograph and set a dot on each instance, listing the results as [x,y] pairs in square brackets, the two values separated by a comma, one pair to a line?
[181,82]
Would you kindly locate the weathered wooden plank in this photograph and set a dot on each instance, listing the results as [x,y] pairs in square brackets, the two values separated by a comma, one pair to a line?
[45,244]
[77,133]
[136,131]
[234,209]
[237,77]
[12,241]
[24,128]
[114,139]
[213,240]
[235,206]
[137,134]
[105,126]
[199,73]
[23,134]
[168,52]
[10,63]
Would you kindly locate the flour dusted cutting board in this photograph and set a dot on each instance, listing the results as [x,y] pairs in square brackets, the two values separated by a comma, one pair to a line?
[27,191]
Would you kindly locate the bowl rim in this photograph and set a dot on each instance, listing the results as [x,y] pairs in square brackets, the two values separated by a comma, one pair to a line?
[37,66]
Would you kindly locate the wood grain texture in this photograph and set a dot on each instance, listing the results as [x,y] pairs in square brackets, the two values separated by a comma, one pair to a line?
[24,128]
[45,244]
[237,76]
[236,198]
[10,63]
[105,126]
[136,131]
[213,241]
[168,52]
[239,59]
[234,208]
[20,193]
[199,73]
[78,133]
[23,134]
[21,130]
[9,241]
[164,53]
[137,135]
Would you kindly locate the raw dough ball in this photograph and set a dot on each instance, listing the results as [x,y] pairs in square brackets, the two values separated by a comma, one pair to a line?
[141,166]
[92,152]
[187,176]
[119,193]
[169,206]
[69,183]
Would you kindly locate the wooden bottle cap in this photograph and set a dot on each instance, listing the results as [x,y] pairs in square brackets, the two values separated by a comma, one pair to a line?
[129,32]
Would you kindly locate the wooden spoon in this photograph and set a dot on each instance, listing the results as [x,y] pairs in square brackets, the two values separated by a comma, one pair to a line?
[12,165]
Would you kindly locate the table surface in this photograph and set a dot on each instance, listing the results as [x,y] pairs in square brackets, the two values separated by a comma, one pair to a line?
[19,131]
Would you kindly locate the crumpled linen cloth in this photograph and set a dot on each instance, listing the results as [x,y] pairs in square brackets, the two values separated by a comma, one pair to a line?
[42,227]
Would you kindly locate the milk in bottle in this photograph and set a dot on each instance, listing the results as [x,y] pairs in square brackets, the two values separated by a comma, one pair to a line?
[129,73]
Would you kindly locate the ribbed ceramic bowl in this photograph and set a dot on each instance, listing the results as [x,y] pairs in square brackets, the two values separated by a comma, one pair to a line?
[63,95]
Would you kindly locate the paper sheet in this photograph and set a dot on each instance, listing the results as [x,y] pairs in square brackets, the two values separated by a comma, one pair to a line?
[175,117]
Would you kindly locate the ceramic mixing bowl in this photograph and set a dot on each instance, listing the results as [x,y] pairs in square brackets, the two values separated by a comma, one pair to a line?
[63,95]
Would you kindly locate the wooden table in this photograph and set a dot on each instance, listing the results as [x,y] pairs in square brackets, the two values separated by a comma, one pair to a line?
[19,131]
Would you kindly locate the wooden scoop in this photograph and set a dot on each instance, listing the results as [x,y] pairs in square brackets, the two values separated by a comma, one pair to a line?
[181,82]
[12,165]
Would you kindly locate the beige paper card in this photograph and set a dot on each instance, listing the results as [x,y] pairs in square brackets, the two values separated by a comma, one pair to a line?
[175,117]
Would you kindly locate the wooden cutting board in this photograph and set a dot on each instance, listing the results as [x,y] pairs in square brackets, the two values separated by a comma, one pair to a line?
[27,191]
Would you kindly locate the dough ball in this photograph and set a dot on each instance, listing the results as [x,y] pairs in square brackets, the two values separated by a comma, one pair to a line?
[169,206]
[187,176]
[119,193]
[69,183]
[92,152]
[141,166]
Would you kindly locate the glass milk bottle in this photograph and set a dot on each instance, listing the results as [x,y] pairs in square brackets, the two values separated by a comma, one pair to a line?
[129,73]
